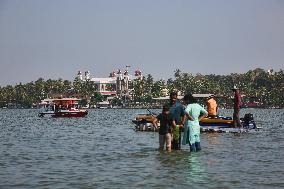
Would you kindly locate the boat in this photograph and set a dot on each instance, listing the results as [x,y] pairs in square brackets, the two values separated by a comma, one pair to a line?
[144,118]
[225,124]
[63,107]
[103,105]
[218,121]
[144,122]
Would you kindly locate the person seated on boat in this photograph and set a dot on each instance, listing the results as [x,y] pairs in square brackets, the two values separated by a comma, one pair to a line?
[56,108]
[165,119]
[71,108]
[212,106]
[63,107]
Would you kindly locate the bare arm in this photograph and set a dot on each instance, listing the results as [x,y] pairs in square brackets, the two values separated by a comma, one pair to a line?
[189,117]
[184,118]
[203,115]
[155,123]
[174,124]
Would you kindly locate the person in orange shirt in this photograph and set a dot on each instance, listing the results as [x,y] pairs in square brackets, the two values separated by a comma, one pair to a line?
[212,106]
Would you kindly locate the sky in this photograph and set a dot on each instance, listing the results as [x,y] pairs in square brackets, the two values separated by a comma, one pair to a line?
[55,39]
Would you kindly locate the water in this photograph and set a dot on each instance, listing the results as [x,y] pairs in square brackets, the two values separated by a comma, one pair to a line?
[103,151]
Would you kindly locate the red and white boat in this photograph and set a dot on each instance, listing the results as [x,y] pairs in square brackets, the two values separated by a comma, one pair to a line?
[63,107]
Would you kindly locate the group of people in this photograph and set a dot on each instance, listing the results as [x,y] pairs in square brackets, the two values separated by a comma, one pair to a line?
[212,107]
[176,117]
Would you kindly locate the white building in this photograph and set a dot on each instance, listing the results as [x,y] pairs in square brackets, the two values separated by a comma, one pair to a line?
[106,86]
[117,84]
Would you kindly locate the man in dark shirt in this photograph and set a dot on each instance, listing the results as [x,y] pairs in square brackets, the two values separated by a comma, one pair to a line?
[165,120]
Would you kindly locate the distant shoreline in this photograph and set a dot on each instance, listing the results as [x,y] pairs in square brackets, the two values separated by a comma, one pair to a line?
[158,108]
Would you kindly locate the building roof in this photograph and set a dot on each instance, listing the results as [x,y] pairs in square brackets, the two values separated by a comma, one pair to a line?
[104,80]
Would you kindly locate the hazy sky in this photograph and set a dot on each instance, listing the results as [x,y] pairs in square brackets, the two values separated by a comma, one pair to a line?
[56,38]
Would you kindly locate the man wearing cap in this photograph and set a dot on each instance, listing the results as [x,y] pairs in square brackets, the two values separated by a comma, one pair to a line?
[237,106]
[211,107]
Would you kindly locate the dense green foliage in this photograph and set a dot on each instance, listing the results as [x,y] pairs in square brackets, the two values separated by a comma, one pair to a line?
[263,87]
[266,88]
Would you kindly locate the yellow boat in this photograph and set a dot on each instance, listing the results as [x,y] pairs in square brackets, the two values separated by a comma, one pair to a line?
[217,122]
[144,118]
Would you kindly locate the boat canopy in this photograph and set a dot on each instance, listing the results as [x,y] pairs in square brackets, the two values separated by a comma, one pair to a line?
[181,97]
[60,101]
[103,103]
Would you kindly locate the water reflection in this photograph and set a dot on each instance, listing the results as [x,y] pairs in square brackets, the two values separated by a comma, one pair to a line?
[183,167]
[196,169]
[213,138]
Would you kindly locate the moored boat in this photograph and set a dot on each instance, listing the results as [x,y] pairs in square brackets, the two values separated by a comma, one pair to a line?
[218,121]
[225,124]
[65,107]
[144,118]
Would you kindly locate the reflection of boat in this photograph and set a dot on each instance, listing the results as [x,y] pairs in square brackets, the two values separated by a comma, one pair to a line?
[65,107]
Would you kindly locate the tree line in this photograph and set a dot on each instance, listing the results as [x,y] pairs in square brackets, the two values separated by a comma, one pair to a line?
[263,87]
[267,88]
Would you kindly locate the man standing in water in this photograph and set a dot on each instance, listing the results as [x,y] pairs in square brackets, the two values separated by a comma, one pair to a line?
[237,106]
[177,112]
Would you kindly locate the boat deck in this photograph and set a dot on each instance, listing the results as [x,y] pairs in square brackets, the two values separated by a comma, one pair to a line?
[151,128]
[228,130]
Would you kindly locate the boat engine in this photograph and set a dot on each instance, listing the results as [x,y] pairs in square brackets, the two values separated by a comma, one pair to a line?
[248,121]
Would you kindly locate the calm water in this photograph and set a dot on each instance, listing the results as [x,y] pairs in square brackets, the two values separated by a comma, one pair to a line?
[103,151]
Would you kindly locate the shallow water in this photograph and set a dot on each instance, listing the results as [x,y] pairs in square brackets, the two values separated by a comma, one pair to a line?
[103,151]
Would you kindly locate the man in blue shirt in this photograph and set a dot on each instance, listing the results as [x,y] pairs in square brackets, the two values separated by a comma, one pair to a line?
[177,113]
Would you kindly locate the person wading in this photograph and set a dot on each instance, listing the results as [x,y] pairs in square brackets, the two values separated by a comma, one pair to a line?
[177,112]
[193,113]
[165,120]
